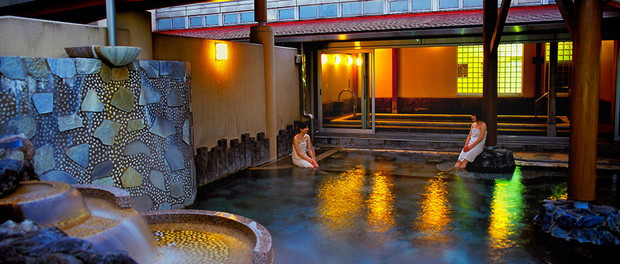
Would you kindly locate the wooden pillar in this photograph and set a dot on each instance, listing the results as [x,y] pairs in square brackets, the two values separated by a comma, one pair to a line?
[489,71]
[551,98]
[584,100]
[395,78]
[264,35]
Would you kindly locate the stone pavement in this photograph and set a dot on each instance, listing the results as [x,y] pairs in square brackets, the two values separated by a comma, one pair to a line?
[560,160]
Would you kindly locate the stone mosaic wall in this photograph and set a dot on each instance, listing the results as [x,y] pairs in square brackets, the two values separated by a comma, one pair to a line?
[128,127]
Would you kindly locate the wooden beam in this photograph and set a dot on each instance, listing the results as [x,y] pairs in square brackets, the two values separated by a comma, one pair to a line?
[489,71]
[499,25]
[567,9]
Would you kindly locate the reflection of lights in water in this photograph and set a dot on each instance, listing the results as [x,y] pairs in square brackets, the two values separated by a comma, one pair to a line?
[435,215]
[340,199]
[381,204]
[187,246]
[558,192]
[506,214]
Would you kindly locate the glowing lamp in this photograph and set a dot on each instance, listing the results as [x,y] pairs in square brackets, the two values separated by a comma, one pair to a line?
[349,60]
[359,61]
[338,59]
[323,58]
[221,51]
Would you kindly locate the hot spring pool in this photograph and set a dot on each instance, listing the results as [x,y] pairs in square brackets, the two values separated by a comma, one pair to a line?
[394,207]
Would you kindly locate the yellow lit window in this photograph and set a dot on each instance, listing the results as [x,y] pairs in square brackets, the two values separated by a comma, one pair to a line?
[564,65]
[509,72]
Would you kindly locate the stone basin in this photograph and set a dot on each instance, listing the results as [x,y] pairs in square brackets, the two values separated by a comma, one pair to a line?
[103,216]
[116,56]
[199,236]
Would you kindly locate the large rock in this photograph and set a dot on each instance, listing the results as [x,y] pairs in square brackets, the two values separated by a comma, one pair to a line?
[12,172]
[493,161]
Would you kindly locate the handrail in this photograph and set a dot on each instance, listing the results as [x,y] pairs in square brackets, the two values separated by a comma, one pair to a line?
[354,98]
[541,97]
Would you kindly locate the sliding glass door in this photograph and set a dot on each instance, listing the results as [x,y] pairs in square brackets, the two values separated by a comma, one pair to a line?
[346,91]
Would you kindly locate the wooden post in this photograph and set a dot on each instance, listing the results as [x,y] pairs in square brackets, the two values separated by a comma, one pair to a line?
[584,100]
[551,98]
[395,78]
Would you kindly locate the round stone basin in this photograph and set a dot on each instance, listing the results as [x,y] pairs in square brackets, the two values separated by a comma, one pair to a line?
[199,236]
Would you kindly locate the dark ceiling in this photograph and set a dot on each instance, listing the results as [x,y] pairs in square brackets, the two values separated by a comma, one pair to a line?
[79,11]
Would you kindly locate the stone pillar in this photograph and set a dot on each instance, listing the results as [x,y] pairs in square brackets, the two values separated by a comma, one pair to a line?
[584,100]
[262,34]
[139,25]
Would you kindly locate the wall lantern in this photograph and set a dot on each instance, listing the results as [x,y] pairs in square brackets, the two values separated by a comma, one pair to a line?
[323,58]
[221,51]
[359,62]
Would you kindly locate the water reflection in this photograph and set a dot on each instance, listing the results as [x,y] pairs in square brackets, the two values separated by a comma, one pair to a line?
[435,215]
[507,209]
[340,200]
[381,204]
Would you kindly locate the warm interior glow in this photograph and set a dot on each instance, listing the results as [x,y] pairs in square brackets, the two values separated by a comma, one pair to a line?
[323,58]
[221,51]
[349,60]
[338,59]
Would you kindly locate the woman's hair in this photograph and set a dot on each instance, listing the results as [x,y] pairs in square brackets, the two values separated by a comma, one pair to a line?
[479,116]
[301,125]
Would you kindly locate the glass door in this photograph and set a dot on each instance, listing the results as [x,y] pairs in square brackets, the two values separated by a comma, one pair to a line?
[346,92]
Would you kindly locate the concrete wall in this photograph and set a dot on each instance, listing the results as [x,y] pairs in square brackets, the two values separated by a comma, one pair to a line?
[41,38]
[228,96]
[288,98]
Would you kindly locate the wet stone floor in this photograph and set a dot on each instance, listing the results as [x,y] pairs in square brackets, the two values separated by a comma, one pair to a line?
[395,207]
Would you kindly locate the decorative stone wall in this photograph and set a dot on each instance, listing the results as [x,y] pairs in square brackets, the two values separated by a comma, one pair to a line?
[226,159]
[599,225]
[127,127]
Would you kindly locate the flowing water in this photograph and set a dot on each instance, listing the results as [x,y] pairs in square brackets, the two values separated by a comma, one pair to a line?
[394,207]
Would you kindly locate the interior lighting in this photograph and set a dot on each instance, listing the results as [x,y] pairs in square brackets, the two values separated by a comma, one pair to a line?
[323,58]
[221,51]
[359,62]
[338,59]
[349,60]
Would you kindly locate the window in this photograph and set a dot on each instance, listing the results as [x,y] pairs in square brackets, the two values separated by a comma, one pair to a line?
[445,4]
[330,10]
[247,17]
[509,72]
[472,3]
[178,22]
[373,7]
[272,14]
[564,67]
[351,9]
[164,24]
[286,14]
[306,12]
[231,18]
[212,20]
[195,21]
[399,6]
[421,5]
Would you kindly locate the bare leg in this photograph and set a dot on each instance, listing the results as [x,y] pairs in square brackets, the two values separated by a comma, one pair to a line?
[457,164]
[463,164]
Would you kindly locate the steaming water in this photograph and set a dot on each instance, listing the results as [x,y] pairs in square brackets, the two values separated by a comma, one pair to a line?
[385,207]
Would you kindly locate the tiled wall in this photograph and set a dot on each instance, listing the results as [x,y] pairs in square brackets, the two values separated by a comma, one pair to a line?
[128,127]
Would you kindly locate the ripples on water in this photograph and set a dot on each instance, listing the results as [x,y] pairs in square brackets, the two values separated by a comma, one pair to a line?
[382,207]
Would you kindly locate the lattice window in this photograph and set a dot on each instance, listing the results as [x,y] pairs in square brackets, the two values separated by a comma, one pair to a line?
[509,72]
[565,65]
